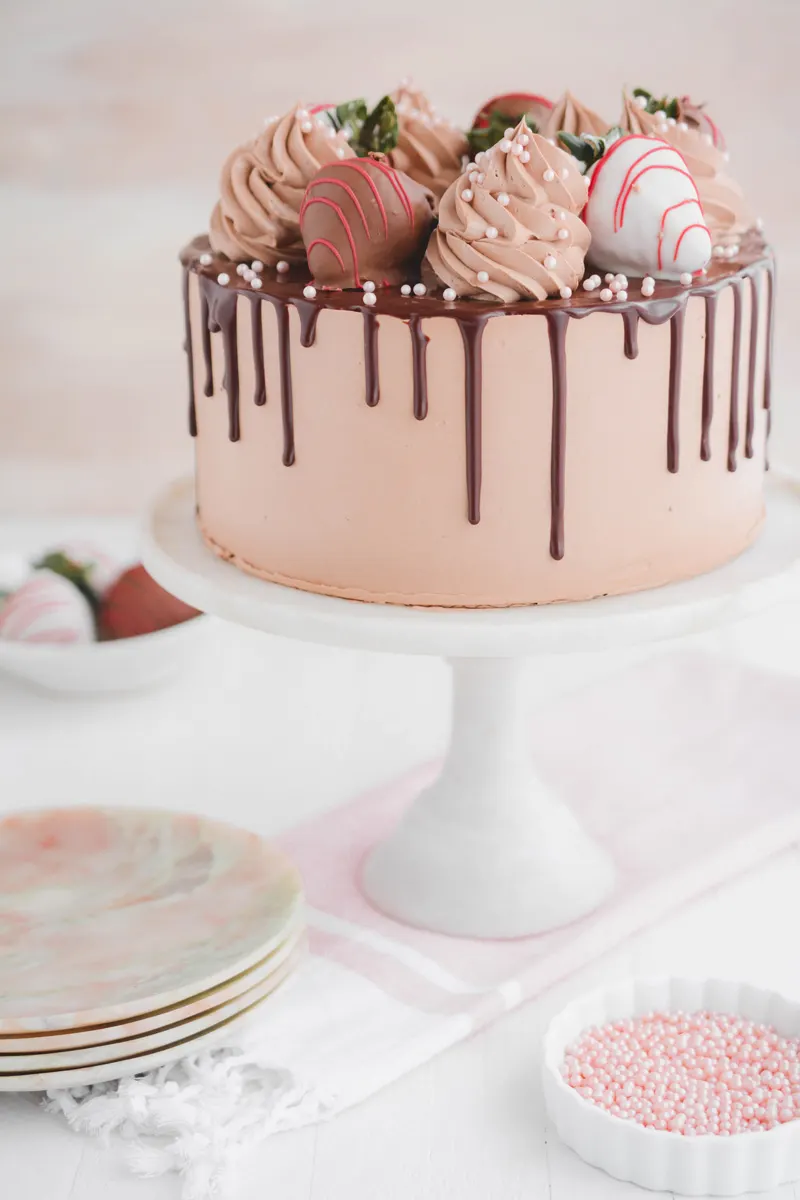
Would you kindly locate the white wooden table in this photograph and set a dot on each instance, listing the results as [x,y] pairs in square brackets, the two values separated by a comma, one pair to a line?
[468,1126]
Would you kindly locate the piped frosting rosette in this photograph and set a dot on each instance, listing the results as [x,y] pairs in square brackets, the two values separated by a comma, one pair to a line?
[509,228]
[429,148]
[569,115]
[262,186]
[699,142]
[644,212]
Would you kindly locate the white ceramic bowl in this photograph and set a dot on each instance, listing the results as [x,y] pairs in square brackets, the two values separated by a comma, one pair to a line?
[662,1161]
[119,666]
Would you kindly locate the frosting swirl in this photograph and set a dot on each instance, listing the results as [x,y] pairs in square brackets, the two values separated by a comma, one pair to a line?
[429,149]
[573,117]
[509,227]
[262,186]
[726,211]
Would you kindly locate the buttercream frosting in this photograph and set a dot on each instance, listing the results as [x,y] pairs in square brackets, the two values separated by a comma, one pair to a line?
[429,149]
[571,116]
[262,186]
[509,227]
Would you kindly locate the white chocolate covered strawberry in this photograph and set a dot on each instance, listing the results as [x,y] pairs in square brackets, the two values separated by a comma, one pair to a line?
[644,212]
[49,609]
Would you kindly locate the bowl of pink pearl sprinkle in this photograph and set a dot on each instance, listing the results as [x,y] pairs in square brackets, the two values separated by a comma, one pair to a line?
[679,1085]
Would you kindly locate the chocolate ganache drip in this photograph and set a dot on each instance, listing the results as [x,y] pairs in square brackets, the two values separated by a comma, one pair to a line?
[218,314]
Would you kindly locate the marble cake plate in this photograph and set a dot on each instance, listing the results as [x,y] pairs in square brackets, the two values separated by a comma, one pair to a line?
[182,1032]
[204,1006]
[488,850]
[113,914]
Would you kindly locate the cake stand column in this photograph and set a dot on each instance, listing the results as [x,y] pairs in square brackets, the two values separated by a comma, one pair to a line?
[487,850]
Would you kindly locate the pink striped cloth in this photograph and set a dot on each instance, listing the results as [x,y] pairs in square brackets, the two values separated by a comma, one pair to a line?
[682,743]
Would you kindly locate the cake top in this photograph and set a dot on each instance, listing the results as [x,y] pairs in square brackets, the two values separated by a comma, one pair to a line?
[528,204]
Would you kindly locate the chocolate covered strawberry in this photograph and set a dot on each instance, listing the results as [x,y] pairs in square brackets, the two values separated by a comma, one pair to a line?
[136,605]
[644,211]
[49,610]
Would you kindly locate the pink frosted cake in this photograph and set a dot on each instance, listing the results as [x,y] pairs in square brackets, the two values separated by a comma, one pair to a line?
[522,365]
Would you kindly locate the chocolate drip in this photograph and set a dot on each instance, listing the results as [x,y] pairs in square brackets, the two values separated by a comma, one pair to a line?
[733,422]
[281,307]
[419,350]
[187,345]
[630,320]
[372,377]
[755,310]
[674,405]
[770,272]
[222,317]
[308,314]
[205,333]
[257,332]
[708,376]
[472,337]
[557,333]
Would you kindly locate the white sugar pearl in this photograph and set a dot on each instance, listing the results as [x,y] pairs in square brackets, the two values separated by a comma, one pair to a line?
[490,232]
[663,127]
[405,290]
[623,295]
[648,290]
[606,295]
[503,198]
[282,267]
[256,266]
[481,177]
[247,274]
[549,175]
[524,139]
[340,151]
[368,285]
[589,285]
[483,276]
[473,176]
[607,278]
[615,286]
[241,268]
[255,282]
[562,234]
[565,293]
[640,101]
[449,293]
[223,279]
[516,149]
[525,157]
[621,278]
[686,279]
[309,292]
[369,298]
[302,113]
[552,141]
[270,120]
[479,155]
[307,126]
[466,194]
[564,172]
[419,289]
[509,133]
[682,126]
[648,281]
[505,145]
[205,260]
[550,262]
[660,115]
[671,121]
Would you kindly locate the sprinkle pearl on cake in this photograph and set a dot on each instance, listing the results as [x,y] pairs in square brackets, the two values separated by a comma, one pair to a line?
[449,294]
[623,295]
[420,289]
[564,172]
[490,232]
[223,278]
[255,282]
[368,285]
[606,295]
[309,291]
[562,234]
[282,267]
[589,285]
[549,175]
[550,262]
[686,279]
[256,266]
[405,289]
[369,298]
[205,260]
[565,293]
[483,276]
[241,268]
[505,145]
[525,157]
[467,195]
[503,198]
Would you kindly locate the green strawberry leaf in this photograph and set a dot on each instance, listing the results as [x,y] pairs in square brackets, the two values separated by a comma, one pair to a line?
[379,130]
[483,137]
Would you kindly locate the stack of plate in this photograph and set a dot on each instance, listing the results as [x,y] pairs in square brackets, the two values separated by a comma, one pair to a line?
[132,938]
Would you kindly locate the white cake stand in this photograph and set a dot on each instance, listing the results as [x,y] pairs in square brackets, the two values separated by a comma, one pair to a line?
[487,850]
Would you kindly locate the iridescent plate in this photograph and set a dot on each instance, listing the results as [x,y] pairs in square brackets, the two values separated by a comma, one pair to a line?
[112,914]
[16,1064]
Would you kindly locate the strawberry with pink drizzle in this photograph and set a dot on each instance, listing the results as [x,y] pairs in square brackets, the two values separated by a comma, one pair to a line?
[363,221]
[644,212]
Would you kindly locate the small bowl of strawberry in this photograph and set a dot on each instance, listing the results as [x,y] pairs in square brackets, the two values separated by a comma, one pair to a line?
[76,620]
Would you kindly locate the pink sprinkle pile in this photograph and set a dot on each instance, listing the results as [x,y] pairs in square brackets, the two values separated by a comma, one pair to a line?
[690,1073]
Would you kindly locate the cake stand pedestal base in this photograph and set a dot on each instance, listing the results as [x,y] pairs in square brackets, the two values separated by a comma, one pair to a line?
[487,850]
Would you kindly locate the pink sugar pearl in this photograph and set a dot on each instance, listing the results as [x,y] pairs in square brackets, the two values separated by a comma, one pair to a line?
[696,1074]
